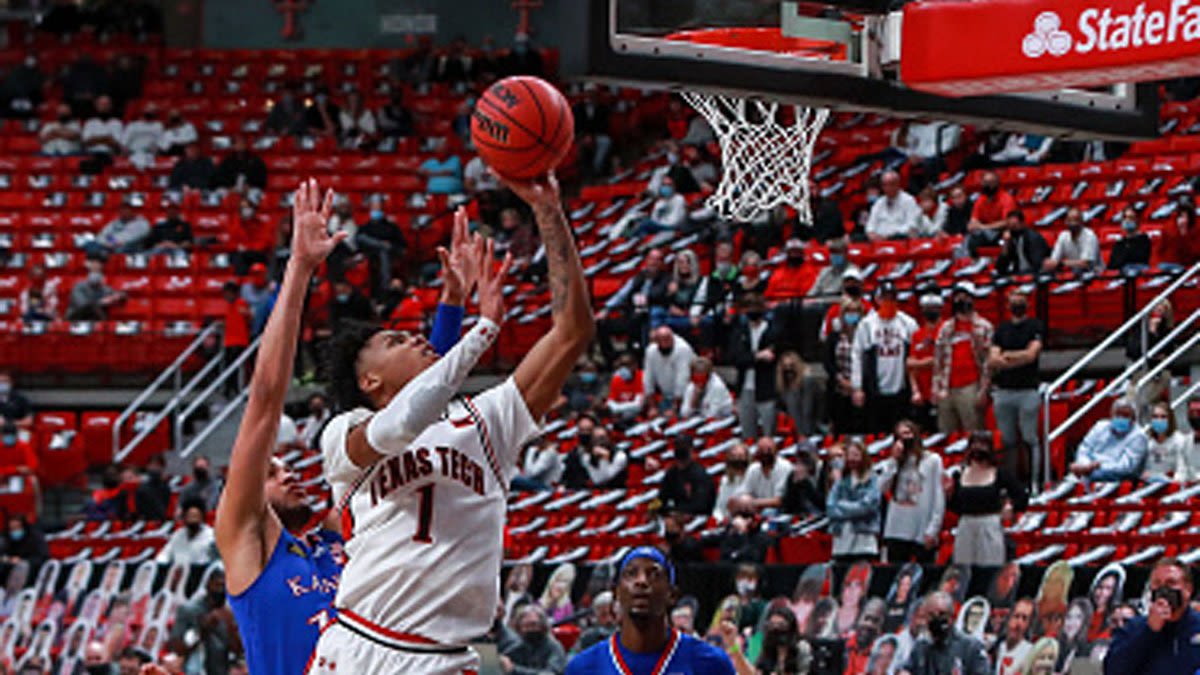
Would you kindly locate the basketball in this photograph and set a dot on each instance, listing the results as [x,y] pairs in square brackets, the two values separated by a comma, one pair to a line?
[522,127]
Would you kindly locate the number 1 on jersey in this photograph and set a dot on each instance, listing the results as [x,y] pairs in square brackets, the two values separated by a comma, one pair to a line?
[425,516]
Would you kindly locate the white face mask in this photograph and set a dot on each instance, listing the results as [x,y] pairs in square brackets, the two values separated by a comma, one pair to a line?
[746,586]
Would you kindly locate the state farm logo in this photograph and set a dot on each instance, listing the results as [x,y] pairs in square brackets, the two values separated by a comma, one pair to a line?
[1047,37]
[1150,24]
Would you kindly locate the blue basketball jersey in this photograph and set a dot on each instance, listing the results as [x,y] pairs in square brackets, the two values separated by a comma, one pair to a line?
[683,655]
[280,616]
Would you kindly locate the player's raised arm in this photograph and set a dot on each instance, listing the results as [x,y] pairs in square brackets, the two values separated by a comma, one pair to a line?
[542,372]
[246,528]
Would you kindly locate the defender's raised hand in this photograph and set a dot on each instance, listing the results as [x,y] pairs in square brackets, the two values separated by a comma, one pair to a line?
[311,241]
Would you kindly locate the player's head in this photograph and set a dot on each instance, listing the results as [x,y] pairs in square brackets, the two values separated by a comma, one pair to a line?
[285,495]
[369,364]
[645,586]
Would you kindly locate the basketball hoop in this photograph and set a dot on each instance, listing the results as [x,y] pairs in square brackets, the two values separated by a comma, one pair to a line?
[767,157]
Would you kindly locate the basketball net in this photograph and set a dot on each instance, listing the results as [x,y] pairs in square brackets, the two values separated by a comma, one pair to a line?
[767,157]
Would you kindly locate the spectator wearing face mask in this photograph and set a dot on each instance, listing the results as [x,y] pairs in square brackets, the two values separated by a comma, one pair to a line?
[983,495]
[102,133]
[605,464]
[626,393]
[575,476]
[801,494]
[1022,250]
[733,480]
[989,214]
[896,214]
[932,222]
[792,280]
[946,651]
[192,544]
[172,234]
[669,212]
[706,395]
[782,651]
[383,240]
[91,297]
[205,627]
[686,484]
[752,351]
[536,651]
[1013,361]
[920,361]
[16,449]
[958,212]
[348,303]
[854,507]
[843,417]
[241,168]
[153,493]
[1114,449]
[912,529]
[667,368]
[1132,250]
[742,540]
[14,407]
[24,540]
[715,295]
[1168,450]
[829,282]
[960,374]
[877,361]
[1164,641]
[1077,248]
[204,488]
[142,137]
[583,390]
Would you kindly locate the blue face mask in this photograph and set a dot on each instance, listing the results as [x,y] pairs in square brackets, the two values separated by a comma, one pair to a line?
[1121,425]
[587,377]
[9,439]
[1130,226]
[851,318]
[666,191]
[1159,426]
[376,214]
[837,259]
[625,373]
[343,297]
[16,535]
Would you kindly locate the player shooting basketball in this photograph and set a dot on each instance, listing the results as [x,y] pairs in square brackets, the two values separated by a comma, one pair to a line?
[427,514]
[280,584]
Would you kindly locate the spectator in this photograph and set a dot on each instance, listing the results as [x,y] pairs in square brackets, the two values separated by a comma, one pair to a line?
[706,395]
[14,407]
[63,135]
[829,282]
[204,488]
[583,390]
[443,172]
[1014,648]
[626,312]
[932,222]
[781,642]
[205,631]
[752,351]
[241,168]
[767,477]
[676,308]
[91,296]
[592,129]
[797,389]
[946,651]
[22,89]
[895,215]
[983,495]
[381,238]
[312,424]
[124,234]
[178,134]
[1168,450]
[913,527]
[877,361]
[801,496]
[395,121]
[606,465]
[752,278]
[1022,250]
[1013,362]
[153,493]
[102,133]
[920,361]
[1077,247]
[960,375]
[287,116]
[125,83]
[733,480]
[480,182]
[828,222]
[1133,248]
[1164,641]
[1114,449]
[143,137]
[852,289]
[523,59]
[358,127]
[542,468]
[1181,246]
[84,84]
[714,297]
[958,212]
[172,233]
[191,544]
[193,170]
[669,212]
[40,287]
[667,368]
[348,303]
[686,484]
[455,65]
[24,540]
[794,278]
[743,541]
[575,476]
[604,622]
[859,646]
[854,507]
[989,214]
[838,361]
[517,236]
[626,393]
[680,545]
[1159,324]
[322,116]
[537,652]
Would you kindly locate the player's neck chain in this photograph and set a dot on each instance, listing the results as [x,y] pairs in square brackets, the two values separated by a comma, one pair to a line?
[614,651]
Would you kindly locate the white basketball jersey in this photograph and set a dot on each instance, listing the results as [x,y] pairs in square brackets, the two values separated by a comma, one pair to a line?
[424,528]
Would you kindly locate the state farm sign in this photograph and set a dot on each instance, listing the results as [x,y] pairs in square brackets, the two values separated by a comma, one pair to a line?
[995,46]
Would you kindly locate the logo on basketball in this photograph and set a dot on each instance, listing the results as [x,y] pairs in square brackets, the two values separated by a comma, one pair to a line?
[1047,37]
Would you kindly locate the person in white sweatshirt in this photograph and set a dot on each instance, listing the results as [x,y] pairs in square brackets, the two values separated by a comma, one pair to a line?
[913,526]
[706,394]
[1168,450]
[878,361]
[667,368]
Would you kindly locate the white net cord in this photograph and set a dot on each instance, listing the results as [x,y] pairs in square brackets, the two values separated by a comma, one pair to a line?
[767,158]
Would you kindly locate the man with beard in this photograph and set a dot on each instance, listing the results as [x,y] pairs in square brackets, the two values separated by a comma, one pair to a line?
[646,643]
[947,651]
[858,646]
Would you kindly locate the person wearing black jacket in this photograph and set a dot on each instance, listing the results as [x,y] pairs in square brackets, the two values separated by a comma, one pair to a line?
[575,476]
[686,484]
[241,168]
[958,213]
[24,540]
[752,351]
[153,494]
[742,539]
[802,497]
[626,312]
[348,303]
[591,129]
[1023,250]
[1131,249]
[827,219]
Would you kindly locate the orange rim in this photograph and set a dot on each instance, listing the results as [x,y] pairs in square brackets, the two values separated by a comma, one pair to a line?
[763,40]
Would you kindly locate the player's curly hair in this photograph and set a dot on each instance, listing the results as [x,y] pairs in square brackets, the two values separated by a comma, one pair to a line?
[349,337]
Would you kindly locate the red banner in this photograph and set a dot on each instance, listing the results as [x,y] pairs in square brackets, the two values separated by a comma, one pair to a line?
[964,48]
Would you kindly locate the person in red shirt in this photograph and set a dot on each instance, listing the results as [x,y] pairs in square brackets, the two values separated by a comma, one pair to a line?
[237,328]
[920,361]
[989,214]
[1180,245]
[794,278]
[960,375]
[16,451]
[860,640]
[403,310]
[254,235]
[626,396]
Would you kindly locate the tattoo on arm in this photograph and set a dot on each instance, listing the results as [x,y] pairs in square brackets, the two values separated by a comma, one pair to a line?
[560,258]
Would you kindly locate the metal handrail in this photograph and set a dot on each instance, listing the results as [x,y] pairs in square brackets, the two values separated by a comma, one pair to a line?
[173,370]
[207,431]
[233,370]
[1138,319]
[1175,355]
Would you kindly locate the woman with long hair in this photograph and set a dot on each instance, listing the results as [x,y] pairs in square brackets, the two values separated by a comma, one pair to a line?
[1041,658]
[1073,639]
[781,653]
[983,495]
[912,530]
[853,507]
[839,347]
[901,596]
[681,290]
[1107,591]
[556,597]
[1168,450]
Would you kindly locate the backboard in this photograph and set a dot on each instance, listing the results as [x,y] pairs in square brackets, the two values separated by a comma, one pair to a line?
[841,55]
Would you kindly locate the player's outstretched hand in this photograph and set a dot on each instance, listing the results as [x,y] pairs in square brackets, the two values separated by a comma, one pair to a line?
[311,241]
[540,192]
[460,265]
[491,284]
